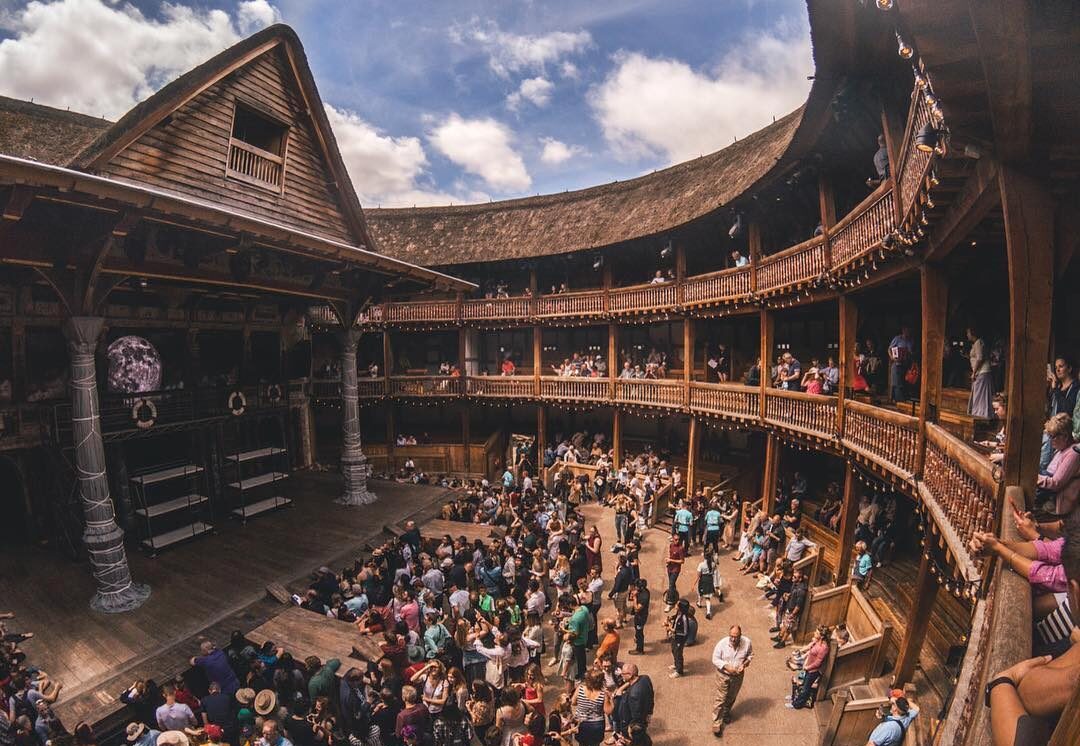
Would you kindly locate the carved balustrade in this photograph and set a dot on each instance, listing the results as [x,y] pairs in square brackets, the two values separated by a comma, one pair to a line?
[716,287]
[725,400]
[425,386]
[644,298]
[650,392]
[507,387]
[498,309]
[887,437]
[569,388]
[914,163]
[792,267]
[961,482]
[421,312]
[862,230]
[586,303]
[371,388]
[810,413]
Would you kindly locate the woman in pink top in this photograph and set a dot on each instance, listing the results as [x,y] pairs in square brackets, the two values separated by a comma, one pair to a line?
[815,659]
[1062,468]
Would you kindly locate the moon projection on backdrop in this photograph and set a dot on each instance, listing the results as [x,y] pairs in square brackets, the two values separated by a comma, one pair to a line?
[134,366]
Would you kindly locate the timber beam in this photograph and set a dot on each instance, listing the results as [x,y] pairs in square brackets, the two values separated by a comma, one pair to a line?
[979,195]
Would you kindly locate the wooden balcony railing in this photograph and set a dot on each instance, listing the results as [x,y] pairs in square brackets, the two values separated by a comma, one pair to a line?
[914,163]
[890,438]
[792,267]
[726,400]
[426,386]
[644,298]
[586,303]
[255,165]
[498,309]
[862,230]
[716,287]
[371,388]
[420,312]
[961,483]
[810,413]
[510,387]
[559,388]
[650,393]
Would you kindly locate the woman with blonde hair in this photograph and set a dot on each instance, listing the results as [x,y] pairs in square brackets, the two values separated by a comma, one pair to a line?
[1051,494]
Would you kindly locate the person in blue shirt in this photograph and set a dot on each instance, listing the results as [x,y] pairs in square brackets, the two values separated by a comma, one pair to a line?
[863,562]
[508,479]
[891,730]
[713,527]
[684,519]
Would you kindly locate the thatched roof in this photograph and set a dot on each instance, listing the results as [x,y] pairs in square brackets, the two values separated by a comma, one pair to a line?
[45,134]
[583,219]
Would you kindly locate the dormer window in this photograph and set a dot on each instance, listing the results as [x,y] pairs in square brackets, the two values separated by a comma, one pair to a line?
[257,149]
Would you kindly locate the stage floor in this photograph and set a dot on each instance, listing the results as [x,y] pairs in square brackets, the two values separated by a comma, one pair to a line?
[207,586]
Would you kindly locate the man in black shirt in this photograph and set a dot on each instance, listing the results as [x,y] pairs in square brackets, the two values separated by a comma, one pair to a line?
[639,604]
[792,608]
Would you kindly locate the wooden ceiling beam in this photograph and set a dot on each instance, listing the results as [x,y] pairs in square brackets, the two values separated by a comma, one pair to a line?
[19,199]
[1003,32]
[979,195]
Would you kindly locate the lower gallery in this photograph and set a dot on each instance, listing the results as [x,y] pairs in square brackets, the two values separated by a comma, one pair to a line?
[777,442]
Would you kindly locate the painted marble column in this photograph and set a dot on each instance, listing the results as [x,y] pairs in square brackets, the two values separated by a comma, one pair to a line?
[103,538]
[354,465]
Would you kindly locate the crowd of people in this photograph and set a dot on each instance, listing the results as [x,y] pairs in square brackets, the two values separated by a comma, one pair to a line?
[27,695]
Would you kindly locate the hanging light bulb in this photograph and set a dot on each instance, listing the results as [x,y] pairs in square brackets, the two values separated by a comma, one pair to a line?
[903,48]
[920,79]
[927,138]
[884,4]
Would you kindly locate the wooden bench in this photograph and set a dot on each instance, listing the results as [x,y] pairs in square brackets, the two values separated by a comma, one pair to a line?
[855,714]
[863,657]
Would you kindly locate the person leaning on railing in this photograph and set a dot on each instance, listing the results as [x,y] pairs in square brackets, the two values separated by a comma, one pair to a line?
[1026,699]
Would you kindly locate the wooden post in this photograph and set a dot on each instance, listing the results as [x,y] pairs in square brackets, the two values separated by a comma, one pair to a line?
[772,469]
[849,324]
[462,346]
[926,588]
[354,466]
[102,537]
[680,263]
[466,437]
[541,438]
[827,213]
[893,129]
[388,358]
[538,357]
[614,363]
[753,233]
[691,456]
[1029,238]
[935,300]
[391,433]
[766,326]
[849,513]
[616,435]
[688,357]
[534,282]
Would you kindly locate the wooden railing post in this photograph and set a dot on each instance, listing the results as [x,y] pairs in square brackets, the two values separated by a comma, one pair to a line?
[1029,239]
[849,513]
[918,621]
[935,299]
[849,320]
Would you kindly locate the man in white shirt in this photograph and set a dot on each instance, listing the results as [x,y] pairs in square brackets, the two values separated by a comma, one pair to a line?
[459,600]
[731,657]
[526,482]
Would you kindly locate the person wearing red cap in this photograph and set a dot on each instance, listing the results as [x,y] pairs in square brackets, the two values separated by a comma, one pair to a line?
[215,734]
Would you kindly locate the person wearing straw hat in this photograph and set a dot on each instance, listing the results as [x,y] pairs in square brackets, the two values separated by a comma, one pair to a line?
[173,738]
[265,702]
[245,716]
[139,735]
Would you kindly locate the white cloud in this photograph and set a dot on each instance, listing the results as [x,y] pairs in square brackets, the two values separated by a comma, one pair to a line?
[569,70]
[387,171]
[508,52]
[483,147]
[649,106]
[556,151]
[536,91]
[102,58]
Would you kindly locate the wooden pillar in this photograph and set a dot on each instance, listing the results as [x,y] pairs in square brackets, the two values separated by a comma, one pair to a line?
[849,324]
[918,621]
[354,466]
[616,435]
[466,437]
[1029,238]
[688,357]
[102,537]
[753,233]
[691,456]
[18,360]
[388,357]
[680,263]
[541,436]
[848,513]
[614,363]
[391,433]
[773,447]
[935,306]
[462,346]
[534,282]
[827,214]
[766,353]
[538,357]
[893,129]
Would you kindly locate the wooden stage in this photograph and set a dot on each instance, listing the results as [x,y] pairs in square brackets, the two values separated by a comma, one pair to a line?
[206,587]
[436,528]
[304,633]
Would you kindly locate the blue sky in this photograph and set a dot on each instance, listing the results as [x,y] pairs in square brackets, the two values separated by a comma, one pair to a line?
[457,101]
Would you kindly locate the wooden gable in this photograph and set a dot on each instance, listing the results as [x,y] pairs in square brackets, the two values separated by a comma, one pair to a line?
[191,151]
